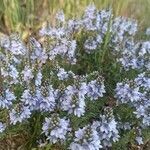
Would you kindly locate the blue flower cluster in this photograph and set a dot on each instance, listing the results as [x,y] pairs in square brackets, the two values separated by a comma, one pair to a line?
[33,78]
[136,93]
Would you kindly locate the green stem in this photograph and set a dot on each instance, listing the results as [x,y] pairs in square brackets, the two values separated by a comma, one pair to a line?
[105,47]
[36,125]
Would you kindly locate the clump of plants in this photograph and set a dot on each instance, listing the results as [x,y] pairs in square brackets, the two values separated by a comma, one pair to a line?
[85,85]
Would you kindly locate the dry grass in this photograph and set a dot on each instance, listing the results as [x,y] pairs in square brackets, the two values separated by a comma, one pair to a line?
[28,15]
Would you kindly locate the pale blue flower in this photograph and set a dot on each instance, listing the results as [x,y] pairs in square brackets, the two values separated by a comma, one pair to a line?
[56,128]
[19,115]
[7,100]
[139,140]
[86,139]
[107,130]
[95,89]
[73,101]
[2,127]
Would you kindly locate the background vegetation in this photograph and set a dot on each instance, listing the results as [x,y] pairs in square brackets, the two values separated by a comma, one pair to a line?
[25,16]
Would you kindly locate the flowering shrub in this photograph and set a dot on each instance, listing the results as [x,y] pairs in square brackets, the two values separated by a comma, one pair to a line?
[72,88]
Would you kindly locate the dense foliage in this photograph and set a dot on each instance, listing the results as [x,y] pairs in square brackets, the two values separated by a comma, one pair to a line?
[84,86]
